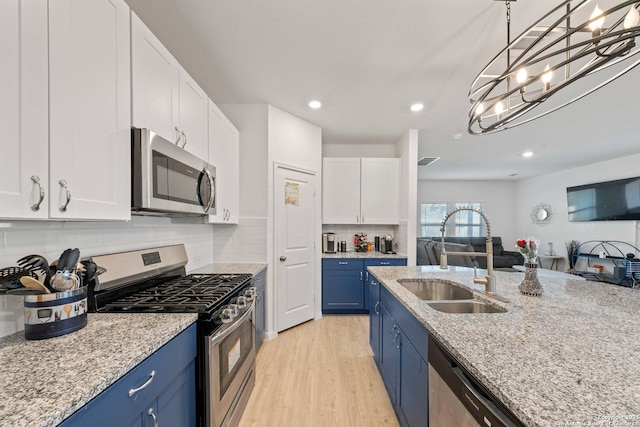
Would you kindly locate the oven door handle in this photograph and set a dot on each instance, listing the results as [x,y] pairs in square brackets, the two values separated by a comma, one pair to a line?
[230,327]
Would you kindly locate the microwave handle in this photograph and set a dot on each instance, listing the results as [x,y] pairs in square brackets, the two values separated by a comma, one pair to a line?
[212,183]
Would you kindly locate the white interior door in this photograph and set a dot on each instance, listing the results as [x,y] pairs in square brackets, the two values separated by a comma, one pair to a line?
[295,210]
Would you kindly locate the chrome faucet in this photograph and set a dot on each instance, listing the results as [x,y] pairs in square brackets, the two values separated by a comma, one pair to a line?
[489,281]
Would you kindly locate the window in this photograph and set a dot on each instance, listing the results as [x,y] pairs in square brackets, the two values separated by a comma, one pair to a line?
[462,224]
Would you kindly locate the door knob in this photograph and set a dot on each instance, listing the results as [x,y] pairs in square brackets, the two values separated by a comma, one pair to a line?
[283,258]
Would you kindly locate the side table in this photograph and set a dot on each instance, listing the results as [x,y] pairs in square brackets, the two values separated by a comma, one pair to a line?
[554,261]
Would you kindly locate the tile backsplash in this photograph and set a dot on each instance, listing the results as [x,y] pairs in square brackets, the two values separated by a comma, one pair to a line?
[245,242]
[347,232]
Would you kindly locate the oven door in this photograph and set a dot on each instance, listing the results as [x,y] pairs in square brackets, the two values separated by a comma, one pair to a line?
[166,178]
[230,363]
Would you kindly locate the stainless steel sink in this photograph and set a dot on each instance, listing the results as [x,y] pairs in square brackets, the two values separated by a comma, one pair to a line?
[465,307]
[431,290]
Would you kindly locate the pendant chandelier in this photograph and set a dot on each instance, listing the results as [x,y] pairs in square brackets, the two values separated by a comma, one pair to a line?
[573,50]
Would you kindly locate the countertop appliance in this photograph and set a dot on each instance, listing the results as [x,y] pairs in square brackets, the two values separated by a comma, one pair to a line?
[388,245]
[154,281]
[456,399]
[329,243]
[168,180]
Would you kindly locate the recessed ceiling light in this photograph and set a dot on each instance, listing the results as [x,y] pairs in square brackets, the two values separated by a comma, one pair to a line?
[457,135]
[527,154]
[417,106]
[315,104]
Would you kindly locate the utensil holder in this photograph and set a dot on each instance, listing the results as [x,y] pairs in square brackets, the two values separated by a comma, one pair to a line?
[55,314]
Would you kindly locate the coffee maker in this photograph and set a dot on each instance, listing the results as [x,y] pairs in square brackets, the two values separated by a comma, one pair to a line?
[329,243]
[387,244]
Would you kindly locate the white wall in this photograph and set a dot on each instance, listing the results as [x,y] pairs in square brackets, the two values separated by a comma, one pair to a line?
[406,149]
[295,142]
[551,189]
[50,238]
[498,197]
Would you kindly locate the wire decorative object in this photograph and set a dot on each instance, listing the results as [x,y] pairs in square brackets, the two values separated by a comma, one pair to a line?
[572,51]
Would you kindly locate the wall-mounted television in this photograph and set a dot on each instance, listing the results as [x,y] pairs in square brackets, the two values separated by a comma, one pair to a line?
[617,200]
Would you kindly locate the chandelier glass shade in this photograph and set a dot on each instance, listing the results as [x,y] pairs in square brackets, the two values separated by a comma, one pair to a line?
[573,50]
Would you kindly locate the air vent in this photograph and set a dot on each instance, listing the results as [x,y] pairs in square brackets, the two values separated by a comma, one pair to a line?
[427,160]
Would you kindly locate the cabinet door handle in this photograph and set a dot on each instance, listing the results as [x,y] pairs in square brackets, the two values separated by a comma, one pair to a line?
[36,206]
[367,275]
[362,219]
[152,415]
[178,136]
[357,219]
[185,139]
[375,307]
[374,283]
[146,384]
[64,185]
[399,341]
[361,275]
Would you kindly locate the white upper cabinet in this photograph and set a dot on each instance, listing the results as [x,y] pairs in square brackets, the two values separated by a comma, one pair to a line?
[165,99]
[89,109]
[193,117]
[66,107]
[224,154]
[340,190]
[379,190]
[24,165]
[155,77]
[360,191]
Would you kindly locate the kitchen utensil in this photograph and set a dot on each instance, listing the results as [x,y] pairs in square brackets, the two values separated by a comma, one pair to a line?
[91,268]
[65,279]
[30,282]
[10,277]
[36,263]
[67,309]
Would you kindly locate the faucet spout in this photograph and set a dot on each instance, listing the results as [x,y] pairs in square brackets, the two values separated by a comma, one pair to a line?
[489,281]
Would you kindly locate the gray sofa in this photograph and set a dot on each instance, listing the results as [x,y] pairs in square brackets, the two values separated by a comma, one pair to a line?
[428,252]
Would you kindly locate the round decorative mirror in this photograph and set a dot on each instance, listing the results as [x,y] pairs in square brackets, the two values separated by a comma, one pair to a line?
[541,214]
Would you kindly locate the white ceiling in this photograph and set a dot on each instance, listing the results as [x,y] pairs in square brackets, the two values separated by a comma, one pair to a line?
[368,60]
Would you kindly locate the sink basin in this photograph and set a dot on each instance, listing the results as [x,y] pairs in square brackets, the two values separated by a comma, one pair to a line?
[431,290]
[465,307]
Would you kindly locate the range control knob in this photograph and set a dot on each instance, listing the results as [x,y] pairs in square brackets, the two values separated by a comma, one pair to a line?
[241,301]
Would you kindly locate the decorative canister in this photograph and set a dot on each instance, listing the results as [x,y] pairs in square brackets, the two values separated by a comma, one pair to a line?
[55,314]
[530,285]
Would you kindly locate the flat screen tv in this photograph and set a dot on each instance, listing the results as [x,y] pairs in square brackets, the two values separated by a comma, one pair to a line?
[617,200]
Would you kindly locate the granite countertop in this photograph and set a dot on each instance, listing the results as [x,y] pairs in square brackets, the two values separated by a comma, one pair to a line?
[363,255]
[43,382]
[232,268]
[570,357]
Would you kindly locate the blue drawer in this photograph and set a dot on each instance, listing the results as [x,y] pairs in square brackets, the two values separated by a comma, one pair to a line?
[342,264]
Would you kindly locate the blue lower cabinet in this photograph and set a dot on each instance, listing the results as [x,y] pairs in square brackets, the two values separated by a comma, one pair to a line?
[346,282]
[374,318]
[159,391]
[342,286]
[382,262]
[413,400]
[400,353]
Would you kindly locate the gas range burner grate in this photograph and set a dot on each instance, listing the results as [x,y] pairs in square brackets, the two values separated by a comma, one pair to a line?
[197,293]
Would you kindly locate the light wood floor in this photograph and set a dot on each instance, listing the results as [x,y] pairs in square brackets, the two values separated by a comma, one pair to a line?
[320,373]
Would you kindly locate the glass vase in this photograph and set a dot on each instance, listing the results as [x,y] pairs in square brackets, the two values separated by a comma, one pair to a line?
[530,284]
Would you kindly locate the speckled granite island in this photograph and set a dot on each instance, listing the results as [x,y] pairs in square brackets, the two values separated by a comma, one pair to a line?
[568,358]
[43,382]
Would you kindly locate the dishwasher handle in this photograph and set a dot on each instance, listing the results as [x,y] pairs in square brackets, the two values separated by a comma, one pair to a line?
[474,400]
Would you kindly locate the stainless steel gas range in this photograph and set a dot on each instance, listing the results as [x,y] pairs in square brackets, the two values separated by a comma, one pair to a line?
[155,281]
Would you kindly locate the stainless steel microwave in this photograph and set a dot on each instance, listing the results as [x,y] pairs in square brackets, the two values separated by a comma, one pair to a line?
[168,180]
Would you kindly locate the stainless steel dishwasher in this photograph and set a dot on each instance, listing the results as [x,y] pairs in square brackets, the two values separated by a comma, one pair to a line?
[456,399]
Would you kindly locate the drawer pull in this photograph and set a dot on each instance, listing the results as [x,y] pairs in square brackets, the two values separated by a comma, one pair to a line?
[343,262]
[135,390]
[384,263]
